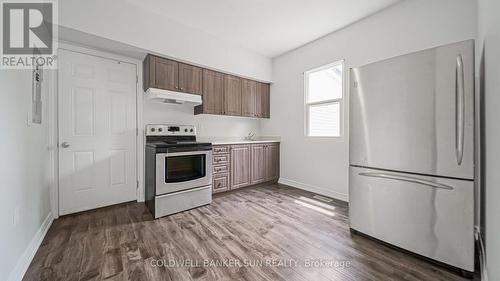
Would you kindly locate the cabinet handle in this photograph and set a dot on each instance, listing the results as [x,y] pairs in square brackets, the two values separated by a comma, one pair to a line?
[182,88]
[407,179]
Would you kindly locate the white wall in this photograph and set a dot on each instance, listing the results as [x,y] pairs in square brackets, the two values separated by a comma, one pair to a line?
[488,48]
[24,171]
[208,126]
[321,164]
[156,33]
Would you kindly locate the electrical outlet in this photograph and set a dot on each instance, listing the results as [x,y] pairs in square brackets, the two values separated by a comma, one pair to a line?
[16,216]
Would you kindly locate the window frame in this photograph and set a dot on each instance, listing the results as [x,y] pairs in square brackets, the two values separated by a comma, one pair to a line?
[340,101]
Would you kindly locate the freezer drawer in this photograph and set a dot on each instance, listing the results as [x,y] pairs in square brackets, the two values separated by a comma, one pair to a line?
[415,113]
[172,203]
[433,217]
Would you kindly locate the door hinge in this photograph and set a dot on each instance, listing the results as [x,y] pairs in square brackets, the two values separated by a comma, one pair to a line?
[137,79]
[137,131]
[137,184]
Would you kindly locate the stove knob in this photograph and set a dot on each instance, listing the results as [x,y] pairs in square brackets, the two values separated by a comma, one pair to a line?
[191,130]
[185,130]
[153,129]
[160,130]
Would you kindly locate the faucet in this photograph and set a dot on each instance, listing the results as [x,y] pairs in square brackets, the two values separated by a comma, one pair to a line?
[250,136]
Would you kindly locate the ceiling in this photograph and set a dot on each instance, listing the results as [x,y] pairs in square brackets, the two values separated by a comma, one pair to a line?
[267,27]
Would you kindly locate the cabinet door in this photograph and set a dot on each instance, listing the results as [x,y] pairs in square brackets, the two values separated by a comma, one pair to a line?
[190,79]
[240,166]
[213,90]
[258,163]
[166,74]
[272,160]
[248,94]
[232,95]
[263,106]
[258,100]
[148,72]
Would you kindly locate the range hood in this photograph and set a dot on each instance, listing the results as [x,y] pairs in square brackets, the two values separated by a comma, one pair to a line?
[166,96]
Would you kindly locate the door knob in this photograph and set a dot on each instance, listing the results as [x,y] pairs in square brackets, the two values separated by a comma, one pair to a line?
[64,145]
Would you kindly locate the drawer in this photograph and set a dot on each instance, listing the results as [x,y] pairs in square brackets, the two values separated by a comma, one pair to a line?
[220,182]
[221,159]
[430,216]
[221,169]
[180,201]
[220,149]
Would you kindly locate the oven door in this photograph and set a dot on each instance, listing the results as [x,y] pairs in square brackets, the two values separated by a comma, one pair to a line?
[178,171]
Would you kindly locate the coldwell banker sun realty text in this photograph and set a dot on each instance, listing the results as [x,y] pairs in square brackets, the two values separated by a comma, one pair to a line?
[29,32]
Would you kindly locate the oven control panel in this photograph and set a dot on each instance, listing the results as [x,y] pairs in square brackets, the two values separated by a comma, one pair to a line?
[170,130]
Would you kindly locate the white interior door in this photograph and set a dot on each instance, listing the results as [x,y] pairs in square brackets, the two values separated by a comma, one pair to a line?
[97,132]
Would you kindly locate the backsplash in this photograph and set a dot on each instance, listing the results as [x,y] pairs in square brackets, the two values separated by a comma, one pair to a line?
[208,126]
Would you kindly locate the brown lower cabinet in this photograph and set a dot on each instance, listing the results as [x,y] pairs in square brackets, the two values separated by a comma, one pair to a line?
[241,165]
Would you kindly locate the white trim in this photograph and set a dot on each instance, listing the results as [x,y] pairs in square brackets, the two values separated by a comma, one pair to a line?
[315,189]
[29,253]
[341,101]
[54,126]
[140,134]
[335,63]
[53,138]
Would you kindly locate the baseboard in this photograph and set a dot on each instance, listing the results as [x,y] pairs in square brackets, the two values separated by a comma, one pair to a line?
[24,262]
[315,189]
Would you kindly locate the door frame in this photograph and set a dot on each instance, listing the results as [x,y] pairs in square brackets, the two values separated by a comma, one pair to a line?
[53,120]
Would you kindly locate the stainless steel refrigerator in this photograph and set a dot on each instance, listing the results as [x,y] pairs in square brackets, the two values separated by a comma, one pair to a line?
[412,147]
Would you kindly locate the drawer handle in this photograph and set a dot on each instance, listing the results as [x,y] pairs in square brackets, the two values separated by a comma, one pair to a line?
[407,179]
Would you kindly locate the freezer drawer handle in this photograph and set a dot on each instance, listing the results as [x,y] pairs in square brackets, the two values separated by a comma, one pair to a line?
[407,179]
[460,109]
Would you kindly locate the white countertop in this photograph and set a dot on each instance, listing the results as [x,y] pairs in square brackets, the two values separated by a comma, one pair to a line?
[222,141]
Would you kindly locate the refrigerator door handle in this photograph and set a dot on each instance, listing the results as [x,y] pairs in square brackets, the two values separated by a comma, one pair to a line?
[407,179]
[460,109]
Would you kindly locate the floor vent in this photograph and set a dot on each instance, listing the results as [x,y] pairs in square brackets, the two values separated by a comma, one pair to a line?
[322,198]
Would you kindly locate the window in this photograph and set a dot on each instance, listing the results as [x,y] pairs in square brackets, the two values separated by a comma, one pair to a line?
[324,89]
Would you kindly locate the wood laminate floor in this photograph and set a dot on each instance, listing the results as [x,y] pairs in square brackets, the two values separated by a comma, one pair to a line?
[268,232]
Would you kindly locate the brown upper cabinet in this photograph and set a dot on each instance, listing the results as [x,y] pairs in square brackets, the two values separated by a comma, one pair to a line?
[249,97]
[264,104]
[213,91]
[222,94]
[255,97]
[170,75]
[232,95]
[190,79]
